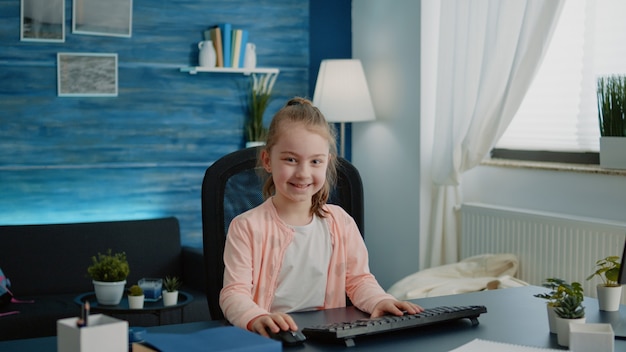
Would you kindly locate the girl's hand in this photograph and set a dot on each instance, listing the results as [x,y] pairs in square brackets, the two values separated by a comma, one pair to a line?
[394,307]
[274,322]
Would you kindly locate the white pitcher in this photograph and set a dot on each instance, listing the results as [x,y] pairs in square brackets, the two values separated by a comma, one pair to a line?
[249,60]
[207,57]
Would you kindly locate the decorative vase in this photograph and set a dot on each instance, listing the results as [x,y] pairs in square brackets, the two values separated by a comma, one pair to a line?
[249,59]
[135,302]
[609,297]
[562,326]
[207,56]
[109,293]
[170,298]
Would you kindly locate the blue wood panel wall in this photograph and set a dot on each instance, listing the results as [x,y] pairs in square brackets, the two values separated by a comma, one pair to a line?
[142,154]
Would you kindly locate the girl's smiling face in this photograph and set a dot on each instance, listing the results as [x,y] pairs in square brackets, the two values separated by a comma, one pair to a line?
[297,163]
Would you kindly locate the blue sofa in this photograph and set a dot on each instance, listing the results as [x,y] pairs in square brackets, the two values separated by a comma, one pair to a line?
[48,265]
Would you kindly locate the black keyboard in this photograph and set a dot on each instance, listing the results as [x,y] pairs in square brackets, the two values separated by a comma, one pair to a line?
[347,331]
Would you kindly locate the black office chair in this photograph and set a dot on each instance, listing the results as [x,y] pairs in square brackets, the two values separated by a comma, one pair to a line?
[233,185]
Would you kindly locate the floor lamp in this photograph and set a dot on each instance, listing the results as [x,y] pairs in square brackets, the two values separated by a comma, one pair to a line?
[342,95]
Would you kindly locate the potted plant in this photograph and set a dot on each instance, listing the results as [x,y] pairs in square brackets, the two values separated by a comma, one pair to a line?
[553,299]
[109,272]
[258,98]
[171,284]
[609,291]
[569,309]
[611,92]
[135,297]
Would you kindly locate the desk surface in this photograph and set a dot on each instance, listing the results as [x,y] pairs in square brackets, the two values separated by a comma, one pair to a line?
[513,316]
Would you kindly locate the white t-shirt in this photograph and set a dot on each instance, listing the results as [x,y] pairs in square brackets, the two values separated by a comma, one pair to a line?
[303,276]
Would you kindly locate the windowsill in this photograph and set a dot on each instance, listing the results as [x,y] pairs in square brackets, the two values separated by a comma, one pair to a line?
[538,165]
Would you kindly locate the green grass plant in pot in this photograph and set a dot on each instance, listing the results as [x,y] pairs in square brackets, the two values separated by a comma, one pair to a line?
[109,272]
[609,290]
[258,98]
[611,93]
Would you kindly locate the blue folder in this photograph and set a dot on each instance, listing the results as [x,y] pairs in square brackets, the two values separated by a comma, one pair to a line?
[226,338]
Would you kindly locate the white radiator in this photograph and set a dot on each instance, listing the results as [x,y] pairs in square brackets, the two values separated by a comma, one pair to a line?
[547,244]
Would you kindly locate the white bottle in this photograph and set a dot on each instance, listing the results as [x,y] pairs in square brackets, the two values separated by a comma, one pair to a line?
[249,60]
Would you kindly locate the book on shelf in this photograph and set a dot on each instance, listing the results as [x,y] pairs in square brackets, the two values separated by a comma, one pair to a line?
[215,35]
[236,47]
[226,29]
[242,47]
[239,40]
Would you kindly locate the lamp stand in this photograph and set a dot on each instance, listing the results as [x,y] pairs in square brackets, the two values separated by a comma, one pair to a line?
[342,139]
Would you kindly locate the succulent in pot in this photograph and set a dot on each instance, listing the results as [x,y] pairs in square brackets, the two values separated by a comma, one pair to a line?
[171,284]
[570,309]
[135,297]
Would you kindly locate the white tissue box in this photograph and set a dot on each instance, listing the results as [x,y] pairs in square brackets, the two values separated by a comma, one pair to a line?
[591,337]
[103,334]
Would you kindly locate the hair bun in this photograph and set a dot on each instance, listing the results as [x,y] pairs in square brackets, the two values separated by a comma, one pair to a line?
[298,101]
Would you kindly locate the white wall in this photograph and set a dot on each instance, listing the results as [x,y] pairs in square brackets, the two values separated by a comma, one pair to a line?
[386,151]
[573,193]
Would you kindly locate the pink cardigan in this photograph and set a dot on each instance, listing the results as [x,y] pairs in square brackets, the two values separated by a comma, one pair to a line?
[255,246]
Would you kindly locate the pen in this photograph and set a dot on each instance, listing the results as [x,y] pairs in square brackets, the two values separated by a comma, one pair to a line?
[81,321]
[87,307]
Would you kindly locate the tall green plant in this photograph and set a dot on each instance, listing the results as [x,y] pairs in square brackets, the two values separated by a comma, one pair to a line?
[259,96]
[612,105]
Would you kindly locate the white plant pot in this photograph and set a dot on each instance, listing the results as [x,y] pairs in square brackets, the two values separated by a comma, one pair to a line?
[170,298]
[135,302]
[562,327]
[109,293]
[612,154]
[551,319]
[609,297]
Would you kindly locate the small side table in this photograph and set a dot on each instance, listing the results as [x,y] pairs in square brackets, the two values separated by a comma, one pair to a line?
[154,308]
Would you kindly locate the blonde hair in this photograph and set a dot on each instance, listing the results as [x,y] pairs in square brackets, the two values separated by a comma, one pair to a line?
[301,110]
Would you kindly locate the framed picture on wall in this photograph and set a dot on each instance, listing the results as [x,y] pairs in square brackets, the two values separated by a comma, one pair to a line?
[87,75]
[99,17]
[42,20]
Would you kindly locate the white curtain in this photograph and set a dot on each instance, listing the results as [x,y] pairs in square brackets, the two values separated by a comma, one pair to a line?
[489,51]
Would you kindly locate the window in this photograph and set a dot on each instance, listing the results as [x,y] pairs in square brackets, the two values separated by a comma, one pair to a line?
[559,112]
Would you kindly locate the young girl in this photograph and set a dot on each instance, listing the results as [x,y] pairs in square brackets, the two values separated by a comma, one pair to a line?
[294,252]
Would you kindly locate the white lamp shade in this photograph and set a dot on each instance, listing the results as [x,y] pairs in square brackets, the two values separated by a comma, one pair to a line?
[341,91]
